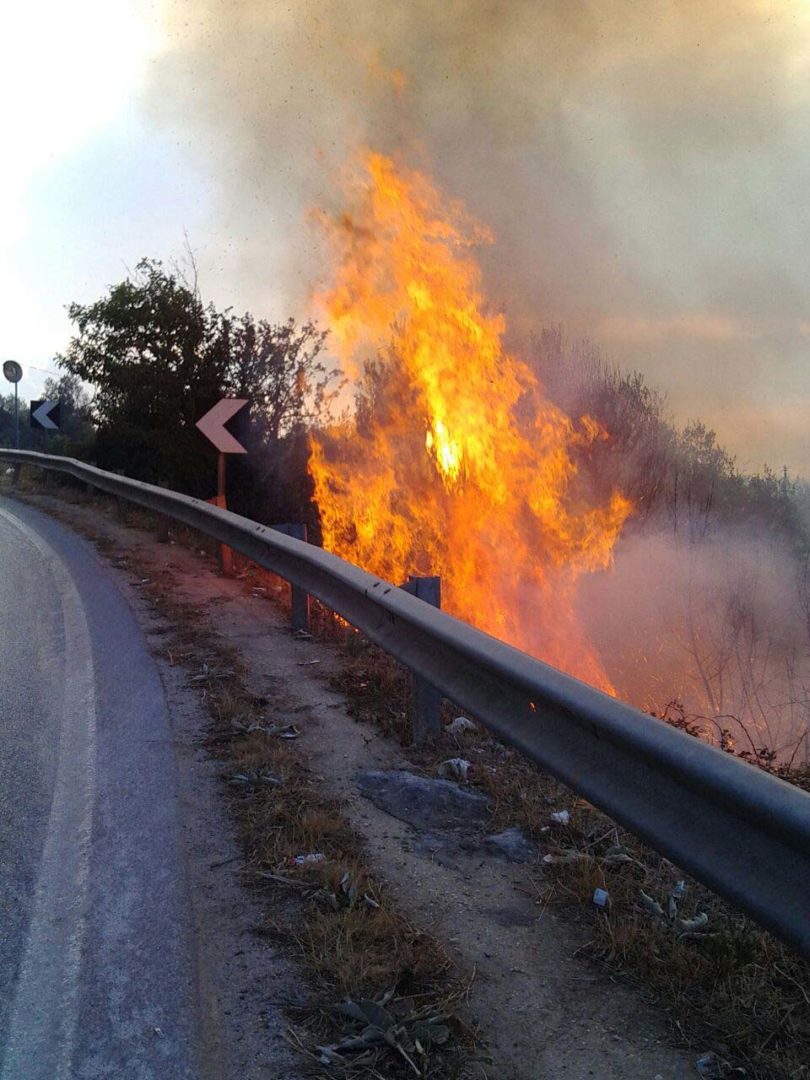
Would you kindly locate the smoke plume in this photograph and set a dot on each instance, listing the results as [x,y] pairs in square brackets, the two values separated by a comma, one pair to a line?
[643,167]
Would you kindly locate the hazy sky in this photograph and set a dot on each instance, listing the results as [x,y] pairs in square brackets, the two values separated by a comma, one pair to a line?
[645,167]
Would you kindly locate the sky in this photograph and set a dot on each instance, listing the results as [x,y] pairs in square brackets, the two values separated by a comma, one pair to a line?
[644,169]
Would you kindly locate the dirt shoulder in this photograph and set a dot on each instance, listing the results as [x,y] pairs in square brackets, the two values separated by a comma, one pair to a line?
[542,1009]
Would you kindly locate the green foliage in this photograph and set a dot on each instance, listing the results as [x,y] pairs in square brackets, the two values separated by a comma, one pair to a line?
[76,429]
[159,357]
[150,348]
[7,423]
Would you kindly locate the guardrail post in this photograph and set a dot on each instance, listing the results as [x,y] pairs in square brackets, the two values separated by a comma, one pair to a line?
[426,701]
[120,504]
[299,598]
[162,520]
[15,474]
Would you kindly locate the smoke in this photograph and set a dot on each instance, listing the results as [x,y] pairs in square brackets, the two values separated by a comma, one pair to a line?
[643,166]
[715,623]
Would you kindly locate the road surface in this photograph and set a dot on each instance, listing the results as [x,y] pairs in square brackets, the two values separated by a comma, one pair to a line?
[97,970]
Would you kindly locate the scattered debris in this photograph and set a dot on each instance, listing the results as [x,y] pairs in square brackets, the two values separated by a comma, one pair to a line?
[651,905]
[304,860]
[412,1036]
[570,855]
[561,817]
[454,768]
[601,897]
[349,893]
[256,779]
[281,731]
[459,726]
[689,926]
[280,879]
[683,927]
[713,1067]
[615,856]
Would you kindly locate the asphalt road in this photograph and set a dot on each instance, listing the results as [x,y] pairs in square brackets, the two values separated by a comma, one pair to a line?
[97,971]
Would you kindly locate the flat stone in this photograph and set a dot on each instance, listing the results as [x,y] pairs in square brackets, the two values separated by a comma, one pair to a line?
[423,802]
[511,844]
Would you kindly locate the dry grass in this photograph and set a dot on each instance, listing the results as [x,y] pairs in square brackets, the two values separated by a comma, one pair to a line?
[728,985]
[342,922]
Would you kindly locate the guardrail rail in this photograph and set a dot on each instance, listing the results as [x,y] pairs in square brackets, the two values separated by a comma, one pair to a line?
[741,831]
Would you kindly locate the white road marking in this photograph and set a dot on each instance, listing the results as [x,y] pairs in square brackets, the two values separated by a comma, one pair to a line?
[44,1014]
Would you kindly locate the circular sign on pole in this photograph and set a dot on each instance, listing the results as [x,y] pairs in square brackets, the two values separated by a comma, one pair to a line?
[12,371]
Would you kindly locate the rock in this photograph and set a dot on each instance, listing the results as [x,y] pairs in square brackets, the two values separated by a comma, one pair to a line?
[423,802]
[511,844]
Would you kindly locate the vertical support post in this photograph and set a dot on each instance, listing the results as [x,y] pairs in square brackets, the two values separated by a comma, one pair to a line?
[120,504]
[16,419]
[15,475]
[225,553]
[162,521]
[426,701]
[299,598]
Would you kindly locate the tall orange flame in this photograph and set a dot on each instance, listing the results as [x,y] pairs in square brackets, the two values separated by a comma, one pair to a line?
[454,462]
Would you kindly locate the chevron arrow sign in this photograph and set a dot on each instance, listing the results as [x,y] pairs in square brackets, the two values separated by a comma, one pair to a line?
[212,425]
[45,415]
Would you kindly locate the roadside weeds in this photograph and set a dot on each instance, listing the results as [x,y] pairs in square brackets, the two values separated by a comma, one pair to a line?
[727,983]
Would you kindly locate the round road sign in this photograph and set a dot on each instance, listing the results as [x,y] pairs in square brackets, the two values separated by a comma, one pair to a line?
[12,371]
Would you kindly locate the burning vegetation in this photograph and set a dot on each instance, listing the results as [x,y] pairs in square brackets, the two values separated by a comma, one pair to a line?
[454,462]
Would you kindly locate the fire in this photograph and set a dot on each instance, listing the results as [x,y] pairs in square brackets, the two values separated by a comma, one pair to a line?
[454,463]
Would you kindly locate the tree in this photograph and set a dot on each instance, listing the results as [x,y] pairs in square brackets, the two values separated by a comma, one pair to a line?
[278,368]
[7,433]
[76,429]
[150,347]
[635,457]
[158,357]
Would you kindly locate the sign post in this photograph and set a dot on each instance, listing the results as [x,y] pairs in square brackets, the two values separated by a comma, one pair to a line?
[212,425]
[13,372]
[225,553]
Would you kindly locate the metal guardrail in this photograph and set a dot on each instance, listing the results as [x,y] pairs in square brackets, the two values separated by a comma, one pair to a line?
[739,830]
